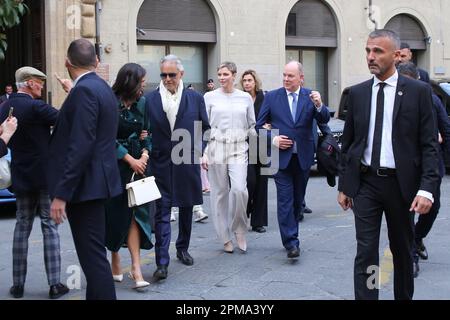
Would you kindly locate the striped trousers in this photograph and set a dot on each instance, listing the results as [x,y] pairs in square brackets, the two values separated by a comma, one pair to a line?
[28,206]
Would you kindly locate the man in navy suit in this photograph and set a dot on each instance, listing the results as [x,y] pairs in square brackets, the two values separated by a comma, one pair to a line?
[29,153]
[175,116]
[406,55]
[8,92]
[291,110]
[82,166]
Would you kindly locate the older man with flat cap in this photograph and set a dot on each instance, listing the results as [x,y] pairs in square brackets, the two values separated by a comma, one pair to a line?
[29,151]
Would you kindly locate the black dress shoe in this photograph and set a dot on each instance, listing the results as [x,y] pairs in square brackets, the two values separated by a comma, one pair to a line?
[293,253]
[185,258]
[307,210]
[421,250]
[160,273]
[57,291]
[416,269]
[300,217]
[16,291]
[259,229]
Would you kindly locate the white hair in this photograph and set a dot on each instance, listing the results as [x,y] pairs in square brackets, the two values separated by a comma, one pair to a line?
[21,85]
[173,58]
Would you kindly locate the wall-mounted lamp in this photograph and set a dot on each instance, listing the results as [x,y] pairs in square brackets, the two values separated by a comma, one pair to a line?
[428,40]
[141,31]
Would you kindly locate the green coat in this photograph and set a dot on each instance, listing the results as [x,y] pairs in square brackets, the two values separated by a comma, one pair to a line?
[118,215]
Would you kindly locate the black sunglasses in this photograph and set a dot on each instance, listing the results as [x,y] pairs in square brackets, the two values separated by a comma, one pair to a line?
[171,75]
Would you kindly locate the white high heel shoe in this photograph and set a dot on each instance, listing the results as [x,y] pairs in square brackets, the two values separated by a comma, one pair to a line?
[118,277]
[241,242]
[138,283]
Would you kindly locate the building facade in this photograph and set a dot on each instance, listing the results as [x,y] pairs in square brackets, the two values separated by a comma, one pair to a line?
[328,36]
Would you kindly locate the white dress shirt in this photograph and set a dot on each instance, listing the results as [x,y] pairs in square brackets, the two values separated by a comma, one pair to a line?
[387,154]
[291,98]
[79,77]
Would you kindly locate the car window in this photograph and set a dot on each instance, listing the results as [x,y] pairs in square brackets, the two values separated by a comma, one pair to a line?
[343,104]
[445,86]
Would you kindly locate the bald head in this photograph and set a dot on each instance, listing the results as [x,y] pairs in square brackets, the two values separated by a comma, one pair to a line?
[293,76]
[81,54]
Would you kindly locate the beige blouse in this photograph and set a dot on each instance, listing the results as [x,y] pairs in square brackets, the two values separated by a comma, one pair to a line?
[231,115]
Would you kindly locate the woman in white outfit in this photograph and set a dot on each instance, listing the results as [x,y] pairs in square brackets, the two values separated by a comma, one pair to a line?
[232,119]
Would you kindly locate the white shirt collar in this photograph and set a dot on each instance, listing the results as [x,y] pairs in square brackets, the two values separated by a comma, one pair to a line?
[79,77]
[391,81]
[297,91]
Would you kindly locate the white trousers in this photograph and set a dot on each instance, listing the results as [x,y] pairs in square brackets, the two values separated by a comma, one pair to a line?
[227,173]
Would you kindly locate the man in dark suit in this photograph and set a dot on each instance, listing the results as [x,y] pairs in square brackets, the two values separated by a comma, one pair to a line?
[388,164]
[29,154]
[8,93]
[82,166]
[406,56]
[175,116]
[291,110]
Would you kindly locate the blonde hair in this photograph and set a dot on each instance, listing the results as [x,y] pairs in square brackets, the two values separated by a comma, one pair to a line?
[229,65]
[258,84]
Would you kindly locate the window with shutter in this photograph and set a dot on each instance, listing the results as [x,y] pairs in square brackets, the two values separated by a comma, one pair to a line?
[409,30]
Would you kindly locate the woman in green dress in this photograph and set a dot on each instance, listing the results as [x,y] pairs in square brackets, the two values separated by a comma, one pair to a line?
[126,226]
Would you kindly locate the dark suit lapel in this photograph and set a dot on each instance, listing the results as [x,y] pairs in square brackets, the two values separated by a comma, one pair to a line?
[159,111]
[398,97]
[367,98]
[181,108]
[301,104]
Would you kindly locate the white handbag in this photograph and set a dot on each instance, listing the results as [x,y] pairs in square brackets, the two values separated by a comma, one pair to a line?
[142,191]
[5,173]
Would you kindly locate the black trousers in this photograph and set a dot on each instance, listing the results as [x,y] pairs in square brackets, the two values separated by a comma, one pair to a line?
[425,221]
[378,195]
[257,196]
[87,222]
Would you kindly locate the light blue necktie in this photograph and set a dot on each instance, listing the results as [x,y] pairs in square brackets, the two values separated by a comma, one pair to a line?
[294,105]
[294,113]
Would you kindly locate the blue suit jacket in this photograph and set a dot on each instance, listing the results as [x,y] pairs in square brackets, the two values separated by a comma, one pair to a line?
[29,144]
[180,184]
[275,110]
[82,160]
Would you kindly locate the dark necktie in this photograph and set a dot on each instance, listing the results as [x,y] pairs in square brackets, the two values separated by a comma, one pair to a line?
[378,132]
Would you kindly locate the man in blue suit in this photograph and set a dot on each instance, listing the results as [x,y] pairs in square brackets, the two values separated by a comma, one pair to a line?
[291,110]
[175,116]
[82,166]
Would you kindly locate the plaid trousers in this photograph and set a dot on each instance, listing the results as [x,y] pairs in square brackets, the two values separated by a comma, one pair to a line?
[28,205]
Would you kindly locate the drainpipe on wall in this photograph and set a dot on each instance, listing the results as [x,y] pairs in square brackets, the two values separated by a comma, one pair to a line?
[98,44]
[371,15]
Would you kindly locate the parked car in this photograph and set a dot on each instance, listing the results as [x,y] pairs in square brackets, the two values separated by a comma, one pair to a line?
[441,87]
[6,196]
[336,124]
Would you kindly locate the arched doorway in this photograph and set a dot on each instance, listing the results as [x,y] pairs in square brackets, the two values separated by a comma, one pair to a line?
[411,32]
[311,37]
[184,28]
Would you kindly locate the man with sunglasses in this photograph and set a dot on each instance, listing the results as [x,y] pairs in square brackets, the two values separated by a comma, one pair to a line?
[175,113]
[29,152]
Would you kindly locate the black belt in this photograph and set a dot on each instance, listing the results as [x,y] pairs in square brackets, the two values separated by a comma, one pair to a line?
[381,172]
